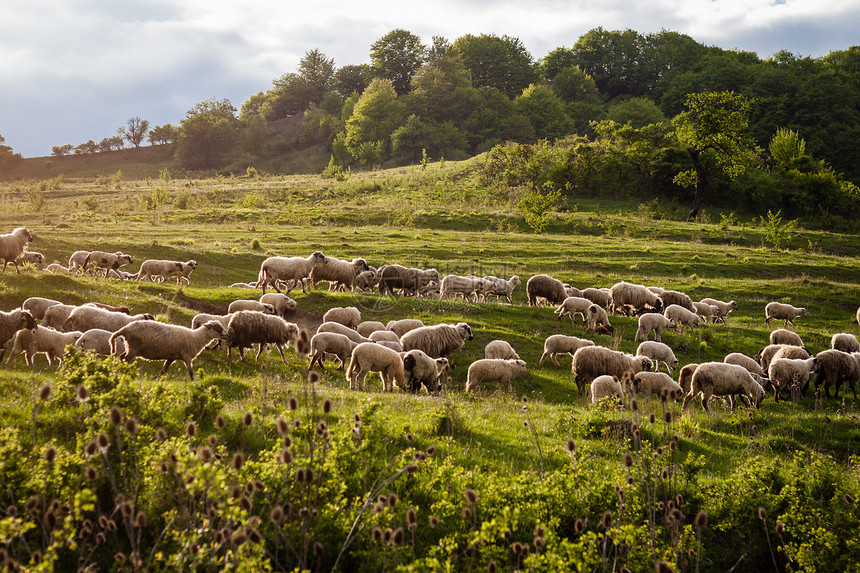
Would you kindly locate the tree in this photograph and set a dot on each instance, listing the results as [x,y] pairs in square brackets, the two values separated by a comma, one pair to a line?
[6,153]
[437,90]
[376,115]
[134,130]
[545,111]
[161,134]
[787,148]
[397,56]
[616,60]
[62,150]
[713,130]
[638,111]
[291,95]
[572,84]
[352,79]
[439,47]
[556,61]
[207,134]
[318,72]
[498,62]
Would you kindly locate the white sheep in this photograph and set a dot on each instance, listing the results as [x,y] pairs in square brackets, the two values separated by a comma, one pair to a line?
[638,297]
[251,286]
[437,340]
[670,297]
[721,379]
[85,317]
[77,260]
[253,305]
[790,373]
[368,326]
[283,305]
[12,322]
[606,387]
[500,287]
[781,311]
[41,340]
[771,351]
[384,336]
[835,367]
[366,280]
[403,325]
[745,361]
[653,322]
[56,315]
[337,327]
[682,317]
[599,296]
[38,305]
[396,346]
[494,370]
[422,370]
[559,343]
[106,261]
[465,286]
[573,305]
[370,357]
[858,315]
[647,383]
[348,316]
[589,362]
[658,352]
[597,320]
[122,275]
[501,349]
[202,318]
[98,340]
[166,269]
[152,340]
[248,327]
[12,246]
[432,289]
[783,336]
[845,342]
[57,269]
[723,308]
[707,312]
[295,269]
[339,274]
[333,343]
[32,257]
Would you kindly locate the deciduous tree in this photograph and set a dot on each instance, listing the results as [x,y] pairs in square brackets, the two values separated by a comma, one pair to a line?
[134,131]
[397,56]
[207,134]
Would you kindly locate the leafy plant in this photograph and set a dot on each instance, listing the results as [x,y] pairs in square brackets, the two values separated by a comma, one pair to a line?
[536,207]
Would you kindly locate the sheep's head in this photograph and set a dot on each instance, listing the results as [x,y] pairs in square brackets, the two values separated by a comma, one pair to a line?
[360,264]
[192,264]
[466,330]
[23,233]
[802,312]
[268,308]
[319,257]
[645,363]
[515,280]
[216,328]
[26,321]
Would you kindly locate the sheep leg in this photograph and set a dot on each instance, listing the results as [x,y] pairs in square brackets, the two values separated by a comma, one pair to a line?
[281,350]
[190,370]
[167,363]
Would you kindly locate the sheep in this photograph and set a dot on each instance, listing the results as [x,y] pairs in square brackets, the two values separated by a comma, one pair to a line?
[368,326]
[547,288]
[653,322]
[384,336]
[598,320]
[858,315]
[348,316]
[10,323]
[410,280]
[339,274]
[106,261]
[723,308]
[41,340]
[467,287]
[38,305]
[638,297]
[589,362]
[110,307]
[403,325]
[790,373]
[247,327]
[251,286]
[396,346]
[76,261]
[670,297]
[324,343]
[599,296]
[283,305]
[295,269]
[745,361]
[121,275]
[783,336]
[658,352]
[685,376]
[605,387]
[152,340]
[337,327]
[12,246]
[707,312]
[573,305]
[845,342]
[32,257]
[500,287]
[437,340]
[431,290]
[253,305]
[835,367]
[371,357]
[98,340]
[494,369]
[366,280]
[85,317]
[500,349]
[203,318]
[422,370]
[57,268]
[768,353]
[557,343]
[780,311]
[647,383]
[56,315]
[721,379]
[167,269]
[682,317]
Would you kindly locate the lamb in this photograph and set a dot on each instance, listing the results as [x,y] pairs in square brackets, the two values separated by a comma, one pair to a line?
[12,322]
[371,357]
[780,311]
[41,340]
[858,315]
[348,316]
[706,311]
[106,261]
[500,349]
[404,325]
[745,361]
[431,290]
[422,370]
[783,336]
[658,352]
[557,343]
[396,346]
[384,336]
[467,287]
[247,327]
[366,280]
[324,343]
[85,317]
[723,308]
[653,322]
[56,315]
[166,269]
[494,369]
[835,367]
[341,329]
[682,317]
[283,305]
[500,287]
[573,305]
[547,288]
[606,387]
[410,280]
[121,275]
[77,260]
[253,305]
[38,305]
[32,257]
[624,294]
[589,362]
[598,320]
[599,296]
[437,340]
[790,373]
[339,274]
[721,379]
[670,297]
[647,383]
[295,269]
[12,246]
[152,340]
[98,340]
[57,268]
[845,342]
[685,376]
[368,326]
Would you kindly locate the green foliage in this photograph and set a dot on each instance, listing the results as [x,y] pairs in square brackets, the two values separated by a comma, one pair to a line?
[545,111]
[207,135]
[376,115]
[536,207]
[778,232]
[396,57]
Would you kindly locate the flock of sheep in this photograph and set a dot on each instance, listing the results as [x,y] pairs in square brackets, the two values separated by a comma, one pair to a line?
[409,354]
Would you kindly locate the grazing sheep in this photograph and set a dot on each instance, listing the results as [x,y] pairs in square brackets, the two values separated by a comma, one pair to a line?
[12,246]
[845,342]
[685,376]
[57,268]
[721,379]
[780,311]
[152,340]
[599,296]
[653,322]
[789,373]
[12,322]
[121,275]
[203,318]
[437,340]
[858,315]
[370,357]
[253,305]
[366,280]
[589,362]
[745,361]
[324,343]
[606,387]
[106,261]
[467,287]
[32,257]
[337,327]
[558,343]
[41,340]
[706,311]
[404,325]
[682,317]
[85,317]
[500,287]
[56,315]
[396,346]
[283,305]
[348,316]
[384,336]
[835,367]
[295,269]
[500,349]
[768,353]
[723,308]
[547,288]
[339,274]
[409,280]
[573,305]
[38,305]
[368,326]
[252,286]
[492,370]
[247,327]
[431,290]
[647,383]
[98,340]
[166,269]
[638,297]
[783,336]
[76,261]
[670,297]
[422,370]
[658,352]
[110,307]
[597,320]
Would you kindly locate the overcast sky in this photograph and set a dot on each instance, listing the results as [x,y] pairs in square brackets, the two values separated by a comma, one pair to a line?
[75,70]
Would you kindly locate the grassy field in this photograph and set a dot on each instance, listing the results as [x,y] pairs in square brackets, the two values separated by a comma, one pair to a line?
[541,458]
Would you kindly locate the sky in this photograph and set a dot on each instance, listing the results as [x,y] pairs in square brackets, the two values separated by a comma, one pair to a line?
[76,70]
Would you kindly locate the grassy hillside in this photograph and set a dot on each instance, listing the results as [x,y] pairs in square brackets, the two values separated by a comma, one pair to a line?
[541,458]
